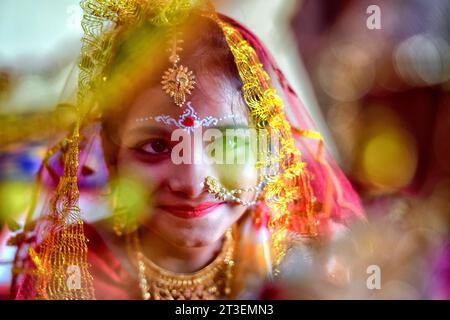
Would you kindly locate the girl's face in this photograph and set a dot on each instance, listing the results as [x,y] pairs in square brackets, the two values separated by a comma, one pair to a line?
[177,207]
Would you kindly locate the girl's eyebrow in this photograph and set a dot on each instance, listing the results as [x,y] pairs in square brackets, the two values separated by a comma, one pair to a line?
[148,130]
[167,130]
[231,126]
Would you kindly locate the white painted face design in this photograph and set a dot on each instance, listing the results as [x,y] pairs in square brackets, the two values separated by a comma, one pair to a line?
[189,119]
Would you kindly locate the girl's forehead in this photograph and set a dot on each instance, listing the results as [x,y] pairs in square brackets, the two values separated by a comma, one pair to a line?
[212,97]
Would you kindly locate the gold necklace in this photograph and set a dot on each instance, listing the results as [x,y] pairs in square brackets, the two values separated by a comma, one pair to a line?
[211,282]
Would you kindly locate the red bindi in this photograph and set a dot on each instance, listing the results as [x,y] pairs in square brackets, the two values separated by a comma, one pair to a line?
[188,121]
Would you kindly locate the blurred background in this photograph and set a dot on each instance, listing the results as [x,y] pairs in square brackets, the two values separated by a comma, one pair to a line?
[375,75]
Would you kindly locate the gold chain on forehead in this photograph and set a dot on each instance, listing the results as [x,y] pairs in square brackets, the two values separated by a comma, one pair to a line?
[178,80]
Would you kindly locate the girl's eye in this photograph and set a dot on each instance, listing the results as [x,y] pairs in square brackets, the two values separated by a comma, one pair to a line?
[231,146]
[153,147]
[234,142]
[156,147]
[230,142]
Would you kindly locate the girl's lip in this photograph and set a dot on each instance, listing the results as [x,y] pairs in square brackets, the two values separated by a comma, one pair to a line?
[189,212]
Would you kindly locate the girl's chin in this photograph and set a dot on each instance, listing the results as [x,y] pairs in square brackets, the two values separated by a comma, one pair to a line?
[187,236]
[190,233]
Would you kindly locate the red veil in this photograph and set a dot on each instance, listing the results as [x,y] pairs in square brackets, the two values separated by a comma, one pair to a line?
[339,200]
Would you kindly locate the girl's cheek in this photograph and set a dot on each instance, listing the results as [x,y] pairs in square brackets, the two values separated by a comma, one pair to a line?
[147,176]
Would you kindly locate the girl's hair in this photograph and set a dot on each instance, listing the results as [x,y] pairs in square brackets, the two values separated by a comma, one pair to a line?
[140,58]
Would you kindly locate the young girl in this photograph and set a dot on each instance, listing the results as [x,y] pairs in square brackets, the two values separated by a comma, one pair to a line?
[215,170]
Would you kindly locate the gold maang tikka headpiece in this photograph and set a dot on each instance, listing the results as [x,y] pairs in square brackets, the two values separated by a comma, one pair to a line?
[178,81]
